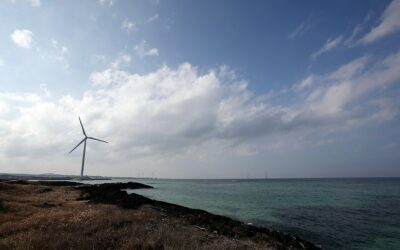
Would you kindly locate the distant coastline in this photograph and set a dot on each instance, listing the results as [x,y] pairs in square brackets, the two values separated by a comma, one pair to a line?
[61,177]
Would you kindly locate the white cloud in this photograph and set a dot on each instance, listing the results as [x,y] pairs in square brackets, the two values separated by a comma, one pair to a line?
[17,98]
[301,29]
[98,59]
[22,38]
[45,90]
[350,82]
[180,113]
[122,60]
[352,40]
[154,2]
[113,75]
[153,18]
[34,3]
[305,83]
[128,26]
[349,70]
[107,2]
[142,49]
[330,44]
[152,52]
[62,49]
[389,23]
[60,53]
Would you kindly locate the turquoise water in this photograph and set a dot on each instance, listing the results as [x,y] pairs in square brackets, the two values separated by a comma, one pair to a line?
[333,213]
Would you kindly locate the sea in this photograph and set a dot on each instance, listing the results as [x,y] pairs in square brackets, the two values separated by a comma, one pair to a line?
[343,213]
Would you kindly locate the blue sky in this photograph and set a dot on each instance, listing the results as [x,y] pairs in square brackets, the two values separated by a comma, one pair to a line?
[201,89]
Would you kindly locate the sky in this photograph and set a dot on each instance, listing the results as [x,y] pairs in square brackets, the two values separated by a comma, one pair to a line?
[201,89]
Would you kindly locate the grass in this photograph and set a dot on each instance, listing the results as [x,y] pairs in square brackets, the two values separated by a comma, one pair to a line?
[40,217]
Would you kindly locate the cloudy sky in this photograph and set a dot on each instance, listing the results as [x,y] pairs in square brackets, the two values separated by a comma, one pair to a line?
[201,89]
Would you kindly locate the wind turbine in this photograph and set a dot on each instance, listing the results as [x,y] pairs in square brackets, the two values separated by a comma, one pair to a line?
[84,146]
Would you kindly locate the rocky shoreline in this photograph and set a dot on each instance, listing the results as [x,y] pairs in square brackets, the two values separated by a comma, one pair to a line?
[113,193]
[211,224]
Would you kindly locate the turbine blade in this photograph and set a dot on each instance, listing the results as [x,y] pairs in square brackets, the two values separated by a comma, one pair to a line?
[83,130]
[77,146]
[96,139]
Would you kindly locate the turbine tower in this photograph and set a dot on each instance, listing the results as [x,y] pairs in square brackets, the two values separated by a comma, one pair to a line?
[84,145]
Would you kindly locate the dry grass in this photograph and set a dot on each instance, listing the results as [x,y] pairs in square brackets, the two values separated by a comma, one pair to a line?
[39,217]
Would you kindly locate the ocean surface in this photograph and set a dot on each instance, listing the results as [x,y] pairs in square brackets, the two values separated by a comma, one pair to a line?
[349,213]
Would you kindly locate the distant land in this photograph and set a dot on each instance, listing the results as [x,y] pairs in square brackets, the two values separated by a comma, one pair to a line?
[50,176]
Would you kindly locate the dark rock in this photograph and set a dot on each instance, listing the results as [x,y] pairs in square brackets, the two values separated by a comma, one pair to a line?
[45,190]
[127,185]
[46,205]
[111,193]
[2,207]
[56,183]
[21,182]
